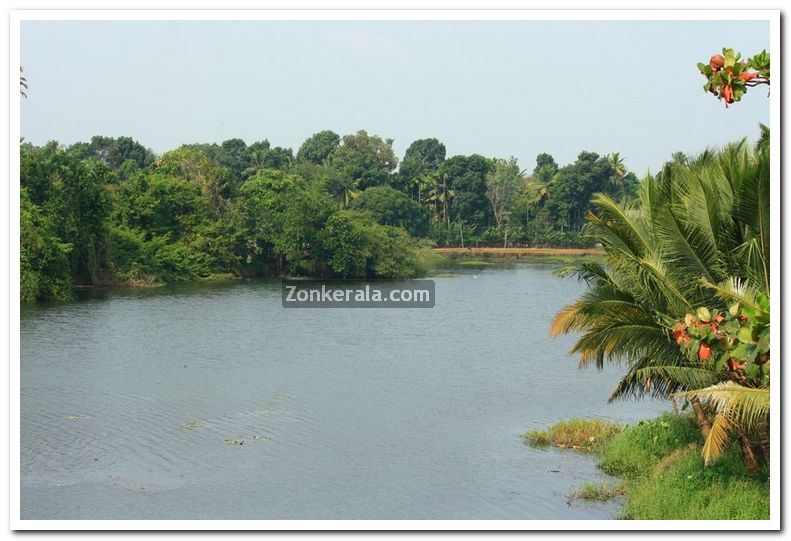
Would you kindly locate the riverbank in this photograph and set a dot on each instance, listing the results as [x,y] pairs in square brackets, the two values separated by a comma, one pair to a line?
[662,471]
[520,252]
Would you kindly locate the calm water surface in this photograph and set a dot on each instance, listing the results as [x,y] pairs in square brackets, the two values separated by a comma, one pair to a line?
[134,405]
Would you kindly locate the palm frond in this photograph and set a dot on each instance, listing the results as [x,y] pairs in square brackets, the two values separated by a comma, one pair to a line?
[661,381]
[745,407]
[716,440]
[735,290]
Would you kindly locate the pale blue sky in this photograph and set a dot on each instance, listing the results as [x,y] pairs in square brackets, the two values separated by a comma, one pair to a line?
[495,88]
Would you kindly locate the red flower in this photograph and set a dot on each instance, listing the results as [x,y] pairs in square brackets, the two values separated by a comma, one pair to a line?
[704,352]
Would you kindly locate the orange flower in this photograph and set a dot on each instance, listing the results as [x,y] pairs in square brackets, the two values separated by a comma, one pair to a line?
[727,94]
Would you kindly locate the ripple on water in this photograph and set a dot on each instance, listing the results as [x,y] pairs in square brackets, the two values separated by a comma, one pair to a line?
[128,401]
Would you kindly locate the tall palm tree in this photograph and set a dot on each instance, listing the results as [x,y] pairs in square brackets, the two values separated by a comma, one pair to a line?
[438,197]
[618,167]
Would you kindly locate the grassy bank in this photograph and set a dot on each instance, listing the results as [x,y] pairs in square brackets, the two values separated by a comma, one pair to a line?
[662,470]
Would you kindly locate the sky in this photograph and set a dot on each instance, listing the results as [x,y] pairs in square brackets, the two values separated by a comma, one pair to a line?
[496,88]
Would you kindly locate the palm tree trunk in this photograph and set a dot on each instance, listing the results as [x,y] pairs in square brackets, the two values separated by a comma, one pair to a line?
[749,457]
[700,417]
[765,445]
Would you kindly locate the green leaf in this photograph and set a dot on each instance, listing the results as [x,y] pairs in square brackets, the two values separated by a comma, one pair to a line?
[763,341]
[704,314]
[744,352]
[752,370]
[745,335]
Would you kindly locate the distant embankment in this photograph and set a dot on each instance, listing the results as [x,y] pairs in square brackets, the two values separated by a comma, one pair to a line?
[519,252]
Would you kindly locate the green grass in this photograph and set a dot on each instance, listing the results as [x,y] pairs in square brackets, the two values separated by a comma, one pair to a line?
[645,444]
[687,490]
[598,492]
[582,434]
[664,474]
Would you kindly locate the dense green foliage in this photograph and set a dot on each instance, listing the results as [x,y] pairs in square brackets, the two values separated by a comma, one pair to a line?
[696,241]
[112,212]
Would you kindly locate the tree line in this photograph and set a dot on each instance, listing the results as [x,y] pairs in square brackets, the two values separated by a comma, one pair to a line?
[111,211]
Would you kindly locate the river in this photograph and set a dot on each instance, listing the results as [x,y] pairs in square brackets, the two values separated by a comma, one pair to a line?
[213,401]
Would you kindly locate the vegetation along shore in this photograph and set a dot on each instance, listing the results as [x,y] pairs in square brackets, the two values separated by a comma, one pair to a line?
[661,472]
[682,300]
[111,211]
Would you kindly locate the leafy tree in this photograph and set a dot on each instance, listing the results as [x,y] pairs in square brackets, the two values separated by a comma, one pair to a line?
[279,219]
[466,177]
[366,159]
[73,193]
[421,159]
[160,204]
[503,183]
[734,345]
[115,153]
[318,147]
[356,246]
[196,164]
[388,206]
[45,273]
[235,156]
[571,190]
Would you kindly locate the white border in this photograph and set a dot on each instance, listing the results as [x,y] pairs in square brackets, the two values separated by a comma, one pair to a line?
[16,16]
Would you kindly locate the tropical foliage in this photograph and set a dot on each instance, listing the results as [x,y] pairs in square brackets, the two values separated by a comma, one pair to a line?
[695,241]
[111,211]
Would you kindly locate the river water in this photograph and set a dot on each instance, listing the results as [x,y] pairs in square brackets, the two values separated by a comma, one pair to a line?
[213,401]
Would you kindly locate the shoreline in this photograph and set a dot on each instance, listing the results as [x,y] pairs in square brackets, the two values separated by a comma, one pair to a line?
[519,252]
[661,470]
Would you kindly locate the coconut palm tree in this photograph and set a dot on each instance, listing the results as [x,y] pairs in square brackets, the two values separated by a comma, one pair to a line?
[694,228]
[618,167]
